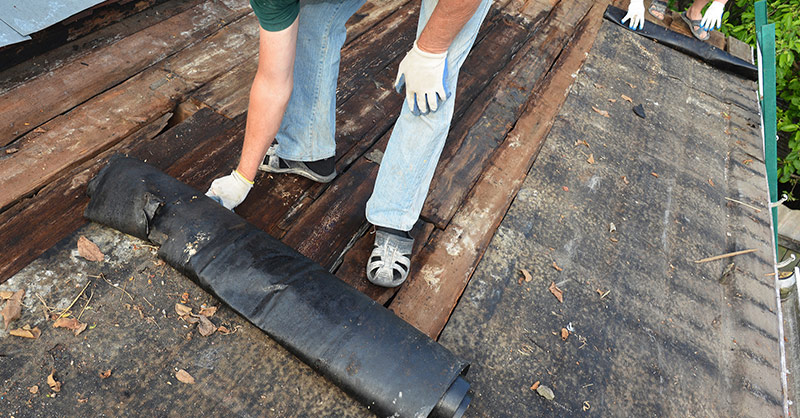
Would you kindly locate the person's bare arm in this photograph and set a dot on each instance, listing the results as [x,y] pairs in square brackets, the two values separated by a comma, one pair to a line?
[447,19]
[269,96]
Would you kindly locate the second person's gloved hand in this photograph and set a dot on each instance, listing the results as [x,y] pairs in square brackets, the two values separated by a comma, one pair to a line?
[230,190]
[635,14]
[712,19]
[424,75]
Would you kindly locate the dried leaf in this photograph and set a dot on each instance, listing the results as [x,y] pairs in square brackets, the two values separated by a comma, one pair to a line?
[6,294]
[601,112]
[55,386]
[555,266]
[711,182]
[208,311]
[184,376]
[535,385]
[182,310]
[105,374]
[564,334]
[89,250]
[206,327]
[556,292]
[34,389]
[626,98]
[73,324]
[223,330]
[590,160]
[13,308]
[26,332]
[192,319]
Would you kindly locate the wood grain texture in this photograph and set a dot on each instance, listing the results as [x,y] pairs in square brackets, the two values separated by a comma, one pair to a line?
[485,126]
[30,104]
[440,273]
[70,139]
[30,227]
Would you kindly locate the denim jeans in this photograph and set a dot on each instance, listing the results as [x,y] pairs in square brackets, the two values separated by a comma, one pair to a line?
[307,131]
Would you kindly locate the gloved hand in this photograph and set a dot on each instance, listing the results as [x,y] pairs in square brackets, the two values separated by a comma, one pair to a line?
[230,190]
[424,75]
[712,19]
[635,15]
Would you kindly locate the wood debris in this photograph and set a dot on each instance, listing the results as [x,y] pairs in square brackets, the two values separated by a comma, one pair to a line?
[590,160]
[555,266]
[564,334]
[612,100]
[631,85]
[105,374]
[34,389]
[89,250]
[721,256]
[565,188]
[6,294]
[601,112]
[558,293]
[206,327]
[626,98]
[654,174]
[625,180]
[711,182]
[535,385]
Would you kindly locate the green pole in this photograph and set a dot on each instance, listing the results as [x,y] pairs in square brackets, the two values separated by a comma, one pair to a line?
[769,108]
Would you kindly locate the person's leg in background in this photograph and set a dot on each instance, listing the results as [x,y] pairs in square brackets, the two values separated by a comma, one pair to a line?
[412,154]
[307,132]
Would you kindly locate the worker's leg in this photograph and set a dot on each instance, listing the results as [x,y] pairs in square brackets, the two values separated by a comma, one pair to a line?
[308,127]
[416,143]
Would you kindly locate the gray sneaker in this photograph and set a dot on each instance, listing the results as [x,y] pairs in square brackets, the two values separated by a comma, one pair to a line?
[321,171]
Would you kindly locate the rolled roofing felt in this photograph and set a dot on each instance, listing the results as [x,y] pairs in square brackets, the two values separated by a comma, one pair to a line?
[690,46]
[377,358]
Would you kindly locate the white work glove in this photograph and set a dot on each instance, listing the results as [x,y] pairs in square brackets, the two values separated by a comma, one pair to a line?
[712,19]
[230,191]
[424,75]
[635,14]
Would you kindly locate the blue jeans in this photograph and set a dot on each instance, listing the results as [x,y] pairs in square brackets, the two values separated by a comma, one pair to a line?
[307,132]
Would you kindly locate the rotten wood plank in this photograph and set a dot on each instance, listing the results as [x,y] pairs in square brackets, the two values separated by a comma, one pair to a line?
[440,273]
[30,227]
[97,125]
[483,128]
[739,49]
[353,268]
[30,104]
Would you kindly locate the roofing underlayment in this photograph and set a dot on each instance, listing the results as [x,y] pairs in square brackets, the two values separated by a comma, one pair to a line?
[548,169]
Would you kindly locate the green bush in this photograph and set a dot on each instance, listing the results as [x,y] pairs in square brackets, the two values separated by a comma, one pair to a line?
[739,22]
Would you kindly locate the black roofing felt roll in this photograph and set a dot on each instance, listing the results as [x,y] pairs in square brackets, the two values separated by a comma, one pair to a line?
[691,46]
[359,345]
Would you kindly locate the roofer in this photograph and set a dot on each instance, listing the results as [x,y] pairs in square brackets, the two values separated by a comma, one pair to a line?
[293,100]
[700,24]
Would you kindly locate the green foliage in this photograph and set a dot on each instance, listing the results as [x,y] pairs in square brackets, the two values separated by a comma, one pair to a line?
[739,22]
